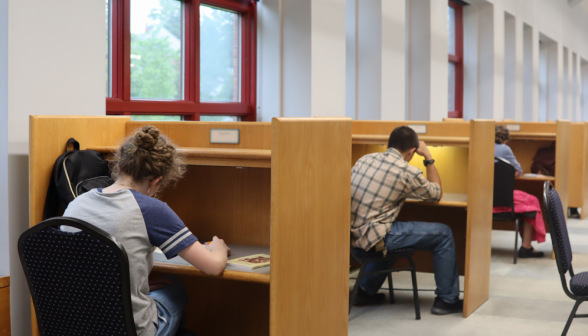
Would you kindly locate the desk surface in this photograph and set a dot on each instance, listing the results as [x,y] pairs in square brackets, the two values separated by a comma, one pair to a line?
[181,266]
[541,178]
[232,157]
[449,200]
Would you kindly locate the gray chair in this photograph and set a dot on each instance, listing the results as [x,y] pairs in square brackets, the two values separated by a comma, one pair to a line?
[79,282]
[556,219]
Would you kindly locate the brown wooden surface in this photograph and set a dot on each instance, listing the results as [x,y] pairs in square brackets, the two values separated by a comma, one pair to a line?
[448,200]
[226,275]
[542,178]
[309,289]
[253,135]
[5,306]
[434,128]
[225,307]
[231,203]
[562,160]
[369,139]
[578,181]
[228,157]
[479,222]
[525,150]
[530,126]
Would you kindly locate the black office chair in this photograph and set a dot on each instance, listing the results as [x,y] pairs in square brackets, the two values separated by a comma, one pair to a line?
[365,258]
[556,219]
[79,282]
[504,180]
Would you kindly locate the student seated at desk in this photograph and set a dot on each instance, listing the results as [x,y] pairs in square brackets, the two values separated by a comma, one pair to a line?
[534,227]
[146,163]
[380,183]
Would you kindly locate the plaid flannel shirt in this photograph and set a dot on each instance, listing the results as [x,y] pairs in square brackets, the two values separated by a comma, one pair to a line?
[380,183]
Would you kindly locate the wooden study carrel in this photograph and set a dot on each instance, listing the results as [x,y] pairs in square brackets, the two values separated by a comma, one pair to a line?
[462,153]
[283,188]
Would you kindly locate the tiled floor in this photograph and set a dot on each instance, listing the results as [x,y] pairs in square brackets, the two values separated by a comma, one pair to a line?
[525,299]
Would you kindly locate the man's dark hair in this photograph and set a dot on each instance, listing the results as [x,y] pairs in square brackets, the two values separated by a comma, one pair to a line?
[403,139]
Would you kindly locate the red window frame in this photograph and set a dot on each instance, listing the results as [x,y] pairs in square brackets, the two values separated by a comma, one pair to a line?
[190,107]
[457,59]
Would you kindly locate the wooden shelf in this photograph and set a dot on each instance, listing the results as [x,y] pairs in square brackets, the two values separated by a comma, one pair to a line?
[378,139]
[178,265]
[542,178]
[532,136]
[448,200]
[227,157]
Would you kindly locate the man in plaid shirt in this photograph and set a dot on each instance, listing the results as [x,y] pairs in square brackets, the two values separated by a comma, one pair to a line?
[380,183]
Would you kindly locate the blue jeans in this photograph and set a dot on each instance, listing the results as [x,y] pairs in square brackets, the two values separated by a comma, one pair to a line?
[434,237]
[171,301]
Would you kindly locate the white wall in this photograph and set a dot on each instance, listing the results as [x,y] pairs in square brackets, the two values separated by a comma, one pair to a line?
[56,67]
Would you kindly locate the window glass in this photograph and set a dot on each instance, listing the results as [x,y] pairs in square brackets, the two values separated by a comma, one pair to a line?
[156,49]
[219,118]
[108,48]
[137,117]
[220,51]
[451,30]
[451,85]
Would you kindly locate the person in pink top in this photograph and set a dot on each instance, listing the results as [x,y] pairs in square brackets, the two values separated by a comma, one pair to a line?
[524,204]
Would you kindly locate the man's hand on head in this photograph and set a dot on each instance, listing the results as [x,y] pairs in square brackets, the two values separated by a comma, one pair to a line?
[423,151]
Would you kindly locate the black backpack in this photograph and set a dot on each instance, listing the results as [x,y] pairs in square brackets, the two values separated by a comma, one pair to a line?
[74,173]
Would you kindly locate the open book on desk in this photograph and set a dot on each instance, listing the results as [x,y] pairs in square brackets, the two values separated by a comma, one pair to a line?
[237,251]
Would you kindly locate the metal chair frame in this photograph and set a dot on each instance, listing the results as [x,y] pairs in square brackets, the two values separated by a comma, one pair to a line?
[390,258]
[564,283]
[106,238]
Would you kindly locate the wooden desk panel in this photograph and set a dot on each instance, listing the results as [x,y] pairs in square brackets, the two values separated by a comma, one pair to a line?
[5,329]
[434,128]
[231,203]
[525,150]
[452,165]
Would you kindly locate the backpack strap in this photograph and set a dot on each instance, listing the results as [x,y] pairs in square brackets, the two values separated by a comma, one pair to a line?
[75,143]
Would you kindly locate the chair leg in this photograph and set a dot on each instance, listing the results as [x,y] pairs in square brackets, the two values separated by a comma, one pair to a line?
[415,289]
[516,241]
[572,314]
[356,286]
[391,285]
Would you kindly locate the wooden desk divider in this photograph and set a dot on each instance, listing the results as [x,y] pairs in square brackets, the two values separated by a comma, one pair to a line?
[534,135]
[284,186]
[461,153]
[578,179]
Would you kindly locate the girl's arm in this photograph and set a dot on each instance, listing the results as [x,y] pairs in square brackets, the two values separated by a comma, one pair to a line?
[211,262]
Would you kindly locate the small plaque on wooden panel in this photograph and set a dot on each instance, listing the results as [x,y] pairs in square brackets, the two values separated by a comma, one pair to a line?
[419,129]
[224,136]
[513,127]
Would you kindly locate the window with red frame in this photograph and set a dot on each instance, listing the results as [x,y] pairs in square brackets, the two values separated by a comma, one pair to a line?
[455,63]
[181,60]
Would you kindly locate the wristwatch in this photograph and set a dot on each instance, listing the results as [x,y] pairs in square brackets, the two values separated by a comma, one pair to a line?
[428,162]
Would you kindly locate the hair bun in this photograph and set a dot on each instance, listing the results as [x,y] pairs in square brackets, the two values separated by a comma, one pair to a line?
[147,137]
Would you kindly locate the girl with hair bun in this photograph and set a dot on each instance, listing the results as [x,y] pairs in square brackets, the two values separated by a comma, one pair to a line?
[145,164]
[525,205]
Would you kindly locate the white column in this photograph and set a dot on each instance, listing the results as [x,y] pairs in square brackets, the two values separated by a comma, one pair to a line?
[491,71]
[584,86]
[470,62]
[302,65]
[554,81]
[576,91]
[513,68]
[327,57]
[566,88]
[370,60]
[4,228]
[393,84]
[569,97]
[351,56]
[269,60]
[428,68]
[543,89]
[530,74]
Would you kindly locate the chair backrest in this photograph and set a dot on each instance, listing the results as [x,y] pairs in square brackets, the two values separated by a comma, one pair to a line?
[556,219]
[504,179]
[79,282]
